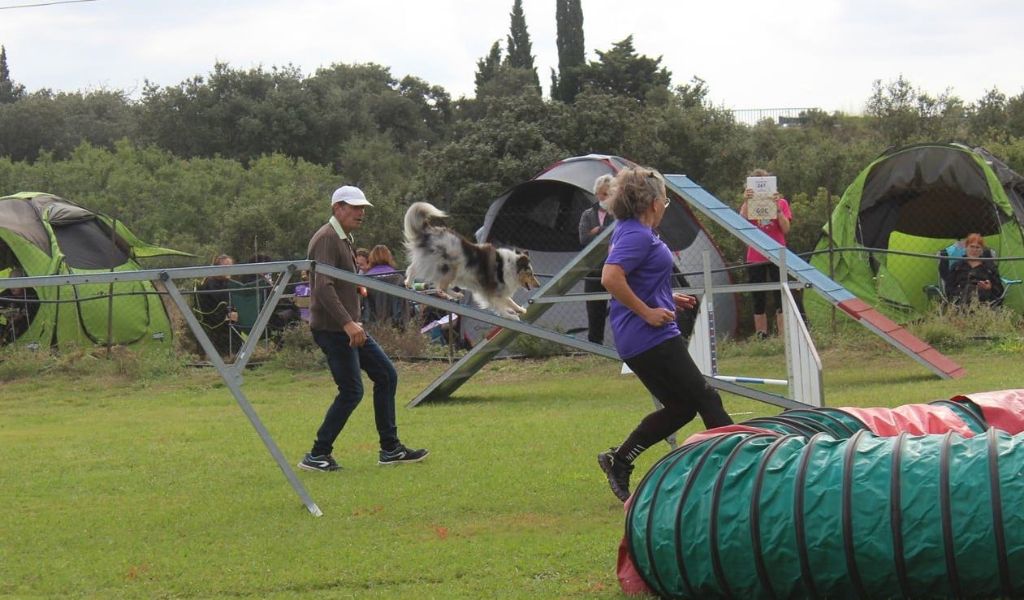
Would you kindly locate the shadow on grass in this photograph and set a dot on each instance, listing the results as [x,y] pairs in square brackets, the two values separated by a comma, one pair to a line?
[475,399]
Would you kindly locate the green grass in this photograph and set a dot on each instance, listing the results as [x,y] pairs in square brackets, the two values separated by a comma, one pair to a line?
[117,482]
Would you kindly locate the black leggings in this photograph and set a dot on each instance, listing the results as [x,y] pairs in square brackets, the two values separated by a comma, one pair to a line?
[762,273]
[668,372]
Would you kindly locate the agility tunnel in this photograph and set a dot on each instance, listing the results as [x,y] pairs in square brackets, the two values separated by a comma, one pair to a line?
[917,501]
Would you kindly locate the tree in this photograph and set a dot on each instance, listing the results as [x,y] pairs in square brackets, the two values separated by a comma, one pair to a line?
[623,72]
[9,91]
[1015,116]
[44,121]
[988,114]
[487,67]
[571,53]
[505,146]
[904,114]
[519,49]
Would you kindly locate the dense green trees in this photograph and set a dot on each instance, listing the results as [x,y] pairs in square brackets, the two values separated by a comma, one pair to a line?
[244,160]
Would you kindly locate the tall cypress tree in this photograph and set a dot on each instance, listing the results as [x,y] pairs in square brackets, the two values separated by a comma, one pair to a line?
[9,91]
[571,53]
[520,50]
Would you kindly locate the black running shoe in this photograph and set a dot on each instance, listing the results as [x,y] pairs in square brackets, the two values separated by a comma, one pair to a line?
[618,473]
[401,454]
[323,462]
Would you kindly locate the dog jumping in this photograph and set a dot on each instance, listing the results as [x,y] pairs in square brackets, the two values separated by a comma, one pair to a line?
[444,258]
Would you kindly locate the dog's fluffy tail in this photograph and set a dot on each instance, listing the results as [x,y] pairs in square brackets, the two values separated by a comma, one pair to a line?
[417,218]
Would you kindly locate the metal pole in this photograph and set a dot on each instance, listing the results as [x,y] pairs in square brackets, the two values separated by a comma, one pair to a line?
[831,246]
[110,295]
[233,379]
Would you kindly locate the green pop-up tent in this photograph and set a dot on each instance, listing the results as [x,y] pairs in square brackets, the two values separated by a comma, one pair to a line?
[919,200]
[47,235]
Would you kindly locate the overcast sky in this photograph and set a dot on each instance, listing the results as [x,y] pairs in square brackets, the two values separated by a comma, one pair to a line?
[763,54]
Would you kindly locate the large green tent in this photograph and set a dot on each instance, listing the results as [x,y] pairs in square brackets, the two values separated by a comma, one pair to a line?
[909,204]
[47,235]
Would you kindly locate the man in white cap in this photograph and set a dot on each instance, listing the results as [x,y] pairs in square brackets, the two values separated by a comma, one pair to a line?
[333,310]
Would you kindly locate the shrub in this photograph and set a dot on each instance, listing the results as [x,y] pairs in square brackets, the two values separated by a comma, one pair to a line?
[297,351]
[535,347]
[956,327]
[401,343]
[135,363]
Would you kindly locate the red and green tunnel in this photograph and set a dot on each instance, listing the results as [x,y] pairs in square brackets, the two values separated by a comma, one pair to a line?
[917,501]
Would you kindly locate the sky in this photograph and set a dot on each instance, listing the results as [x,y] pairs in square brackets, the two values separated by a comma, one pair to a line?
[752,54]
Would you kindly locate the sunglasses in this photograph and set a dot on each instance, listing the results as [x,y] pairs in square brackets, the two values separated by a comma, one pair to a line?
[653,175]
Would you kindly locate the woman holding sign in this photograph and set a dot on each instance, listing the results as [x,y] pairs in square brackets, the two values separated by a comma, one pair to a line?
[764,207]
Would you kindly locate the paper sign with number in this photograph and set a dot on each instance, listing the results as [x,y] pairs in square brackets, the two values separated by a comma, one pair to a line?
[762,206]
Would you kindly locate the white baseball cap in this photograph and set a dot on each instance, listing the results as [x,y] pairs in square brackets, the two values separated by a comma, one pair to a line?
[349,194]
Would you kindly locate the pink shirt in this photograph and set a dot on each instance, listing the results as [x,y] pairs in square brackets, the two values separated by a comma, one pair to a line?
[773,229]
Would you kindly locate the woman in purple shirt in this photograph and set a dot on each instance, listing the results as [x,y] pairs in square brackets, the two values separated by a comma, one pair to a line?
[638,274]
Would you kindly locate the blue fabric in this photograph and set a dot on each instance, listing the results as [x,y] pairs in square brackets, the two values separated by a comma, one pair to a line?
[345,363]
[955,252]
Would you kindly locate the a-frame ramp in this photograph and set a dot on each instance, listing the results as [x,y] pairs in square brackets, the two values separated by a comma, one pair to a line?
[860,311]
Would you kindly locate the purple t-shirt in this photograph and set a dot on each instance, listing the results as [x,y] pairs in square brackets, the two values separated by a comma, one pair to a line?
[647,262]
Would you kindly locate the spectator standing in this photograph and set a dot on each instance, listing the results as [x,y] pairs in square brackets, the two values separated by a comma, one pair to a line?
[760,269]
[593,221]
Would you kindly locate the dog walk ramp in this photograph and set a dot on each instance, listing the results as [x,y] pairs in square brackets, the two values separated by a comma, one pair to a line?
[802,271]
[506,331]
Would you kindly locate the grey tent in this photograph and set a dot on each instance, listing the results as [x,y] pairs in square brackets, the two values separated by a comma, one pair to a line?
[542,217]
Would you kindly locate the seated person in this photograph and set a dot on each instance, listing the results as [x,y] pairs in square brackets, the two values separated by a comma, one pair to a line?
[380,306]
[18,306]
[972,277]
[213,303]
[301,292]
[380,261]
[362,259]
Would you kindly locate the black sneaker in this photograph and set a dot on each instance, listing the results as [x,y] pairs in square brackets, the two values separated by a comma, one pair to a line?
[401,454]
[618,473]
[322,462]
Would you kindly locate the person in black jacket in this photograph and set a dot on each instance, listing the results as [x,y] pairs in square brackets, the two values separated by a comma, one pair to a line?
[213,303]
[974,277]
[593,221]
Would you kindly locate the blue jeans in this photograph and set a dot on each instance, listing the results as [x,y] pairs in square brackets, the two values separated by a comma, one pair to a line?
[345,363]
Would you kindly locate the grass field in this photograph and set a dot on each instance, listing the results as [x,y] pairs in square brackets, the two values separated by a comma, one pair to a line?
[119,486]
